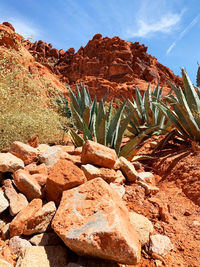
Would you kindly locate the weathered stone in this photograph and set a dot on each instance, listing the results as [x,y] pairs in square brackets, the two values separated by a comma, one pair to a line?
[93,220]
[120,178]
[19,223]
[4,263]
[37,169]
[128,169]
[17,200]
[50,256]
[25,152]
[62,176]
[142,225]
[4,204]
[91,172]
[26,184]
[98,154]
[50,156]
[76,159]
[2,224]
[16,244]
[77,151]
[45,239]
[40,178]
[119,189]
[10,163]
[146,177]
[41,220]
[160,244]
[42,148]
[149,189]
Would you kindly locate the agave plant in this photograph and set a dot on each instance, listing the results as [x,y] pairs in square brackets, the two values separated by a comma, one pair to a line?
[145,115]
[183,109]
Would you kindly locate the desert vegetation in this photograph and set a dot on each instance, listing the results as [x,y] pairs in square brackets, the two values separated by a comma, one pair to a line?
[26,108]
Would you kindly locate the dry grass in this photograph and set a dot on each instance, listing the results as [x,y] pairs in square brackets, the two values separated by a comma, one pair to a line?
[24,113]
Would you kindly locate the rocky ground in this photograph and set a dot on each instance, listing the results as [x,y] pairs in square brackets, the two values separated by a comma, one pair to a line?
[90,208]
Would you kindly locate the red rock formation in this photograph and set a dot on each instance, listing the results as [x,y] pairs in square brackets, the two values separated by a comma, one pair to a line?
[104,64]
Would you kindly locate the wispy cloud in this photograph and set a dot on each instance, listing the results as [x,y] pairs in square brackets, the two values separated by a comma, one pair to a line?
[154,17]
[183,33]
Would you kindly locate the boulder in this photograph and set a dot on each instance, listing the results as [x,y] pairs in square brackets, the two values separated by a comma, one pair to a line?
[17,200]
[128,169]
[37,169]
[160,244]
[5,233]
[149,189]
[98,154]
[4,204]
[50,156]
[142,225]
[93,221]
[10,163]
[119,189]
[25,152]
[51,256]
[147,177]
[41,220]
[16,244]
[19,223]
[62,176]
[26,184]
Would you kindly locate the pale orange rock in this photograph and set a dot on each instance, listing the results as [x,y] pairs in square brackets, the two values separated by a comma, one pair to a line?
[50,156]
[17,201]
[18,224]
[62,176]
[128,169]
[97,154]
[76,159]
[25,152]
[27,184]
[92,220]
[10,163]
[40,178]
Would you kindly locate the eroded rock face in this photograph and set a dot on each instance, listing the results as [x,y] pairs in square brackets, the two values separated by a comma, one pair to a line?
[98,154]
[62,176]
[105,64]
[93,220]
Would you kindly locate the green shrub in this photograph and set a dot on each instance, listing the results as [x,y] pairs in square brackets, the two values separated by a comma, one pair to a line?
[25,108]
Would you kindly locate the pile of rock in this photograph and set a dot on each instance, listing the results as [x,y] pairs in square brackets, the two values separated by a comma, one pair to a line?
[62,198]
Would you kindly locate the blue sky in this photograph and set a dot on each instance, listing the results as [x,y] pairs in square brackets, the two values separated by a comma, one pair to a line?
[170,28]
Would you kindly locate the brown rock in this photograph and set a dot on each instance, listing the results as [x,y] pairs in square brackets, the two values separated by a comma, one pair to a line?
[4,204]
[27,184]
[41,220]
[92,220]
[76,159]
[33,141]
[62,176]
[98,154]
[128,169]
[25,152]
[18,224]
[40,178]
[17,200]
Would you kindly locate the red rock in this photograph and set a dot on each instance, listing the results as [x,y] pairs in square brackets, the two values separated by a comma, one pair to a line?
[93,221]
[41,220]
[18,224]
[10,163]
[27,184]
[128,169]
[62,176]
[97,154]
[25,152]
